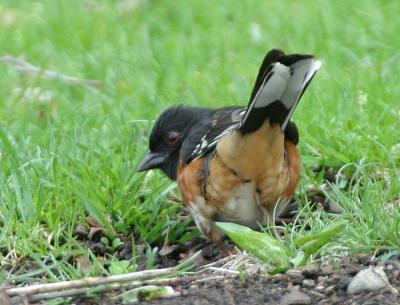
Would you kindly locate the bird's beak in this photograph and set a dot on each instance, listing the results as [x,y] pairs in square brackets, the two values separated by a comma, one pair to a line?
[151,160]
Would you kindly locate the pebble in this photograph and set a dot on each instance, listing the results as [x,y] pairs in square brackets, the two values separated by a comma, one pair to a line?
[334,207]
[322,278]
[295,276]
[327,269]
[367,280]
[98,248]
[317,294]
[329,289]
[307,283]
[81,231]
[96,233]
[310,271]
[295,297]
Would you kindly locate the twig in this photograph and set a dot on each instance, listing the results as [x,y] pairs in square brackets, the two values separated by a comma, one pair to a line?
[24,67]
[207,279]
[223,270]
[97,281]
[88,282]
[105,288]
[169,281]
[116,286]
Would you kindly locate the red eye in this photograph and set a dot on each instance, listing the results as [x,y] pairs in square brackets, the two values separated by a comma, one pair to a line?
[172,137]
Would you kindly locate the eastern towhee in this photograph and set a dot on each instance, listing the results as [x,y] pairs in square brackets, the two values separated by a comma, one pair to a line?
[236,164]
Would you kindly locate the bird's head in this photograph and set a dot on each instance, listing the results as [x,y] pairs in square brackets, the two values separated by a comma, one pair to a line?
[166,138]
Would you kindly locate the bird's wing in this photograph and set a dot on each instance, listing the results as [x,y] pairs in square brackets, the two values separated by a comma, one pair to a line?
[205,135]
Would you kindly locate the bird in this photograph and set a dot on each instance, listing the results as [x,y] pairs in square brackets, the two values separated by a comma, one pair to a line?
[236,164]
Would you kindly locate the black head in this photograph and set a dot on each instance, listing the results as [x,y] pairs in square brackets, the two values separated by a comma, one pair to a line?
[167,136]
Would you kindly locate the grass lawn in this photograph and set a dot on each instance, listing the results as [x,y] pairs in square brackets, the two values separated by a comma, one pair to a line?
[70,151]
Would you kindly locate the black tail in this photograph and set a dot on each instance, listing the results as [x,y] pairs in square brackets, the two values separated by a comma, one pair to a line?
[280,83]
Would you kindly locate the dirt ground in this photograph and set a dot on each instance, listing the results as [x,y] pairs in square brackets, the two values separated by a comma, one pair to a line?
[314,284]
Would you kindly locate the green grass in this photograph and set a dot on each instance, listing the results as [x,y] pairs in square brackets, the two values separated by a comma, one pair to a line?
[75,155]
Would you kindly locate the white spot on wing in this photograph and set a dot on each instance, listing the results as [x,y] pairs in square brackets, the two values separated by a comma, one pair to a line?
[205,144]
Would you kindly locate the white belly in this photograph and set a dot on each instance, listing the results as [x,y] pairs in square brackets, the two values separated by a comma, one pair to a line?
[243,208]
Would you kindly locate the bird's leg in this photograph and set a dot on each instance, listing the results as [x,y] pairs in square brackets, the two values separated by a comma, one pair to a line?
[216,235]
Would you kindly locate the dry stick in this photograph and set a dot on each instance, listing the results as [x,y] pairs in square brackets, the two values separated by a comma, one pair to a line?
[211,278]
[26,68]
[223,270]
[96,281]
[88,282]
[67,294]
[84,291]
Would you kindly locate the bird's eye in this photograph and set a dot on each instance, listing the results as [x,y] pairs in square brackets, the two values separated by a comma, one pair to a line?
[172,137]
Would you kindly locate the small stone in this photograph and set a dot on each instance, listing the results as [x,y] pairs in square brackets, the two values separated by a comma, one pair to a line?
[329,289]
[183,255]
[317,294]
[293,272]
[295,297]
[322,279]
[96,233]
[98,249]
[93,222]
[81,231]
[389,267]
[310,271]
[366,280]
[295,276]
[327,269]
[307,283]
[83,264]
[333,207]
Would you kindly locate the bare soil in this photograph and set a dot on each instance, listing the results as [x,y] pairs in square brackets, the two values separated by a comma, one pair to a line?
[295,287]
[313,284]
